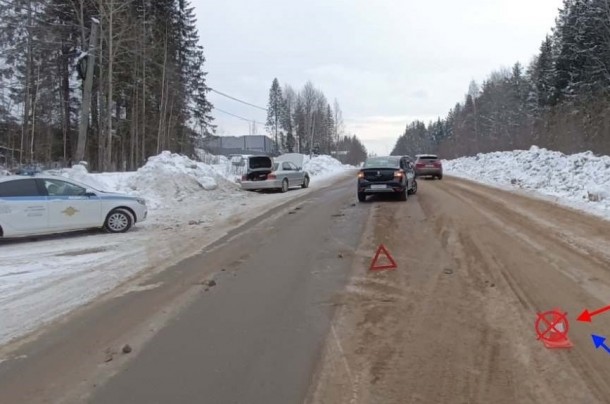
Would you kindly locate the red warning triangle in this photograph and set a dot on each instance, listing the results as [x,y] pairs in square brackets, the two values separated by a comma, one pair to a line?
[376,267]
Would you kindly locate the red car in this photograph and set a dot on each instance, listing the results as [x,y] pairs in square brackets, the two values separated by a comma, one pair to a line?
[428,165]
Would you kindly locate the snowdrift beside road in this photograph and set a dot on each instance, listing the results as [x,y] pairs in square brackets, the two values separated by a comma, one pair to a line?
[170,179]
[579,180]
[323,166]
[111,182]
[164,181]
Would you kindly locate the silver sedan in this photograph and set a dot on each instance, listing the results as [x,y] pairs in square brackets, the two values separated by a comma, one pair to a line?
[283,176]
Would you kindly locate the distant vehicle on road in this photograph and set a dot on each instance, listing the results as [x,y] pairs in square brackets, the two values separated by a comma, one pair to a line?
[428,165]
[39,204]
[383,175]
[263,173]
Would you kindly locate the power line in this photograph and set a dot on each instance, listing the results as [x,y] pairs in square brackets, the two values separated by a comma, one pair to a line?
[237,99]
[237,116]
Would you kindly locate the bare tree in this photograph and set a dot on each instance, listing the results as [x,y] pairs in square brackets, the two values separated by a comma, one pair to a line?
[86,103]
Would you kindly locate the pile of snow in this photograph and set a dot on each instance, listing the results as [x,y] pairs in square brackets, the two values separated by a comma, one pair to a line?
[209,158]
[165,181]
[168,179]
[323,166]
[103,182]
[227,170]
[576,179]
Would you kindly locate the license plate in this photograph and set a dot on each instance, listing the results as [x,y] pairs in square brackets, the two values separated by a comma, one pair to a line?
[379,186]
[430,165]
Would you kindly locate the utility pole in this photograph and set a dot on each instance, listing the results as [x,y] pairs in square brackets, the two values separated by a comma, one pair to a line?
[86,104]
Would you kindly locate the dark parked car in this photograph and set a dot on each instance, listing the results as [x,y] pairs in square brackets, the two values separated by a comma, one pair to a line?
[383,175]
[428,165]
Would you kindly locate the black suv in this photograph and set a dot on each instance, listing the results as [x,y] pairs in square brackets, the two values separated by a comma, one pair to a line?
[382,175]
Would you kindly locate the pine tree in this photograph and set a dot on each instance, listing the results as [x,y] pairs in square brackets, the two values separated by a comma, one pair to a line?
[570,60]
[149,86]
[23,45]
[193,74]
[275,111]
[543,75]
[356,152]
[289,101]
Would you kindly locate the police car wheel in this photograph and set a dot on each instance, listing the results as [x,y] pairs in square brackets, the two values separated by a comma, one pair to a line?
[118,221]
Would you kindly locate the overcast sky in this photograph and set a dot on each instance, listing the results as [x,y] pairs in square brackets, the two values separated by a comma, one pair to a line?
[387,62]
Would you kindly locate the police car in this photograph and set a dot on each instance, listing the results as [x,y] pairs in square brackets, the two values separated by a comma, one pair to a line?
[39,204]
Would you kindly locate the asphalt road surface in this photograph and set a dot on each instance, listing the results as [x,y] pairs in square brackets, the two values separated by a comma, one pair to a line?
[285,310]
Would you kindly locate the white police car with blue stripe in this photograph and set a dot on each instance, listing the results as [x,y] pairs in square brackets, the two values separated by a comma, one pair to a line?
[37,205]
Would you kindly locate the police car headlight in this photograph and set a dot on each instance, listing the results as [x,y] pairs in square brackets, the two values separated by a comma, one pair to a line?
[141,201]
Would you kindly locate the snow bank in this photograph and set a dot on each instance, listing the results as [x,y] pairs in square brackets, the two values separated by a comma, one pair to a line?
[580,180]
[164,181]
[324,166]
[168,179]
[105,182]
[209,158]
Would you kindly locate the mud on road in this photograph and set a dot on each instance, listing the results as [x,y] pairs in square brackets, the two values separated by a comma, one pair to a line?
[455,322]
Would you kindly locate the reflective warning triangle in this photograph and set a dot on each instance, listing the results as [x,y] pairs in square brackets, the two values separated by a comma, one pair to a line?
[376,267]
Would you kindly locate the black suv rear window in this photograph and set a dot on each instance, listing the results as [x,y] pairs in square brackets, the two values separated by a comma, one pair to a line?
[25,187]
[383,162]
